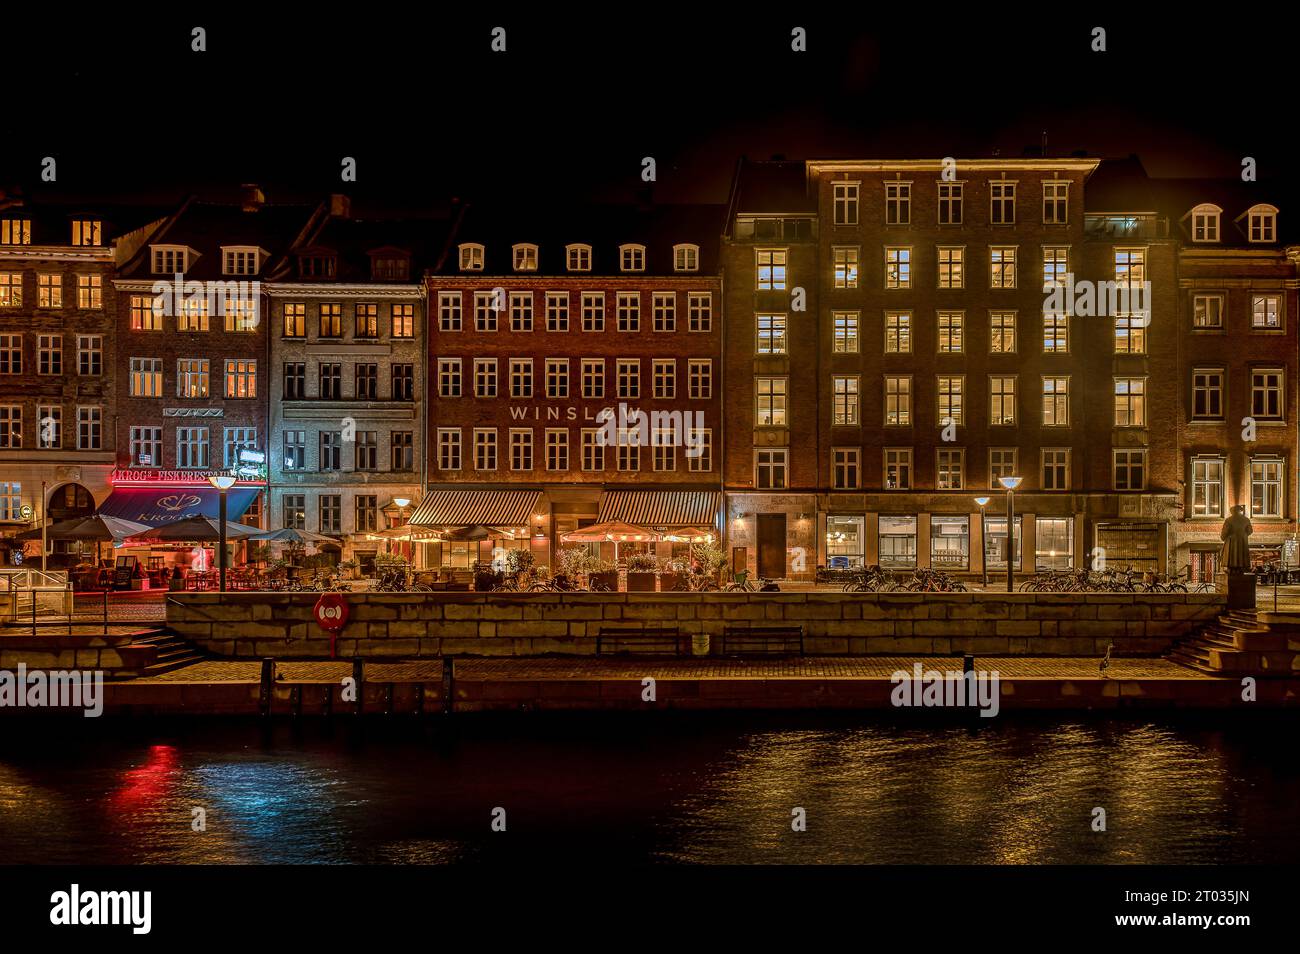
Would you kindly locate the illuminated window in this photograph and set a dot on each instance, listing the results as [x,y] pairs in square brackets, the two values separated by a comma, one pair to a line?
[471,257]
[770,401]
[90,291]
[771,268]
[1002,332]
[15,231]
[146,377]
[525,258]
[898,268]
[295,320]
[1207,486]
[1266,482]
[1002,399]
[898,399]
[241,378]
[1207,311]
[192,377]
[949,389]
[1266,312]
[846,332]
[1002,267]
[1056,333]
[951,339]
[49,290]
[898,332]
[1056,265]
[11,289]
[367,320]
[771,334]
[845,258]
[844,389]
[950,468]
[1056,401]
[87,232]
[950,267]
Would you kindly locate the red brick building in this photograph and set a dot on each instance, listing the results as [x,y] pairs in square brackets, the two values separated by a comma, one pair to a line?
[540,321]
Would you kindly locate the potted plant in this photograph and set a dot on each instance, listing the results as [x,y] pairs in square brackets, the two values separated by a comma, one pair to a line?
[675,576]
[602,575]
[572,562]
[176,580]
[641,570]
[349,569]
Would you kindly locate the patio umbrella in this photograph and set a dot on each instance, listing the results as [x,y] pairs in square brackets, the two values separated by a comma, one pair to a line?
[198,529]
[689,536]
[611,531]
[102,528]
[477,532]
[292,535]
[409,532]
[53,531]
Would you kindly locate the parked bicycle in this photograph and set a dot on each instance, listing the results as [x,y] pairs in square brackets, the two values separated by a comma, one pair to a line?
[871,579]
[741,583]
[929,580]
[398,580]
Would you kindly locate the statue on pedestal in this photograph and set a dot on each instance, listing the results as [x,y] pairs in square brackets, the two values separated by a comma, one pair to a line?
[1235,535]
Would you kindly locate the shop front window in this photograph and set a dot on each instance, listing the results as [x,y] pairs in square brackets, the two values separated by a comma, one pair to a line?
[950,543]
[844,542]
[898,543]
[1053,543]
[995,543]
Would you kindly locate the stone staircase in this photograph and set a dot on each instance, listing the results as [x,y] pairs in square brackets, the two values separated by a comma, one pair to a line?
[173,653]
[1243,643]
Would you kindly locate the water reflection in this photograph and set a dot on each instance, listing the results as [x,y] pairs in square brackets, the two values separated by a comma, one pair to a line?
[676,788]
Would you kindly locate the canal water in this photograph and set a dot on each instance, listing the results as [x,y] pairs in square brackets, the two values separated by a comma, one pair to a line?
[664,788]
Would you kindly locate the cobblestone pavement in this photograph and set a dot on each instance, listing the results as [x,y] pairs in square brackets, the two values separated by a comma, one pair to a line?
[545,669]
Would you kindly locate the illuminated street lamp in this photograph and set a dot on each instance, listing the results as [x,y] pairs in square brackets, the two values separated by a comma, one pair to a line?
[1011,483]
[222,482]
[984,561]
[401,503]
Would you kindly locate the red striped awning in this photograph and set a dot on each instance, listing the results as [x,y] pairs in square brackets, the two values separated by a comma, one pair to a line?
[465,508]
[661,508]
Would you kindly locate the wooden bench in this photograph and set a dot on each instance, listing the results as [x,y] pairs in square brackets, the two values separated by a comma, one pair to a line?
[762,641]
[661,641]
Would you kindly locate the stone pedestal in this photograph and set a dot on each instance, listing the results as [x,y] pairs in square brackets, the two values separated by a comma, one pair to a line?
[1241,591]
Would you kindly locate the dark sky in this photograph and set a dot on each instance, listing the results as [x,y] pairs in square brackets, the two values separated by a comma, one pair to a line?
[428,110]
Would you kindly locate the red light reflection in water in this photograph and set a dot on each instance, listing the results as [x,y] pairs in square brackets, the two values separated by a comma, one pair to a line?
[142,787]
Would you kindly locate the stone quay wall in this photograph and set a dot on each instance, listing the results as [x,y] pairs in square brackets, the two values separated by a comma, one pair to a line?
[409,625]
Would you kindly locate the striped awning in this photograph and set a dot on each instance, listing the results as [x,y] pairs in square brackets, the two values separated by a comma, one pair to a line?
[464,508]
[661,508]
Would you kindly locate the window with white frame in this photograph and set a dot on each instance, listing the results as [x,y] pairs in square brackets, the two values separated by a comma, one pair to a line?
[449,448]
[241,378]
[1002,332]
[485,448]
[1056,333]
[485,311]
[1002,266]
[49,354]
[770,401]
[1261,223]
[1207,310]
[11,426]
[846,466]
[1002,399]
[450,310]
[898,203]
[1003,462]
[593,451]
[951,327]
[771,466]
[845,203]
[557,377]
[146,377]
[628,310]
[950,468]
[521,377]
[169,259]
[898,332]
[1207,394]
[898,399]
[950,266]
[663,311]
[1056,264]
[557,448]
[1130,402]
[471,257]
[1205,223]
[1056,202]
[90,291]
[521,449]
[631,258]
[627,375]
[557,311]
[686,258]
[898,267]
[771,334]
[485,377]
[237,439]
[239,261]
[845,261]
[49,421]
[146,446]
[1002,202]
[844,390]
[521,311]
[593,377]
[11,289]
[1207,486]
[524,256]
[192,377]
[950,203]
[663,377]
[90,428]
[771,266]
[577,258]
[449,377]
[949,389]
[1129,468]
[1055,470]
[1266,483]
[699,453]
[1056,401]
[897,468]
[295,450]
[629,452]
[665,450]
[1266,312]
[846,332]
[699,311]
[11,500]
[49,290]
[1266,394]
[700,378]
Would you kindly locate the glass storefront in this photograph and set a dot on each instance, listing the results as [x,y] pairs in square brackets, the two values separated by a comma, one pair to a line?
[845,543]
[995,543]
[898,542]
[1053,543]
[950,543]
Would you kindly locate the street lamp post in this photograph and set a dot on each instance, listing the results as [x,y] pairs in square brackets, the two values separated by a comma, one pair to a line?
[402,503]
[984,547]
[1011,483]
[222,482]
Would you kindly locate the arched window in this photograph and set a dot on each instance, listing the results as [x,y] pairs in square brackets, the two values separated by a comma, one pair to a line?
[1205,223]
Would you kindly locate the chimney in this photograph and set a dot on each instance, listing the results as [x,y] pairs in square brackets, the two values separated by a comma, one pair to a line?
[340,206]
[252,198]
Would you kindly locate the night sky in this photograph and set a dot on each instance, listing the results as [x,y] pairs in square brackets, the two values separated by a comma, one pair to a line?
[429,111]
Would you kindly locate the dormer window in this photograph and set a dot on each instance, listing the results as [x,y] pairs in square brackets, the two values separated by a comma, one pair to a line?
[15,231]
[390,268]
[170,259]
[578,258]
[316,266]
[471,257]
[631,258]
[87,232]
[686,258]
[240,260]
[1205,223]
[525,257]
[1261,223]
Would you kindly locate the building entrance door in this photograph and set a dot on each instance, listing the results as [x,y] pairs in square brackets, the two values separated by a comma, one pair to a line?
[771,545]
[1205,563]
